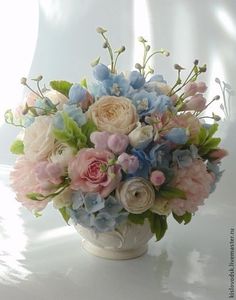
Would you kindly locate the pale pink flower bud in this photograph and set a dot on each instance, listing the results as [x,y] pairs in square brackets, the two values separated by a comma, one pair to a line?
[190,89]
[129,163]
[99,139]
[117,142]
[197,103]
[218,154]
[157,178]
[201,87]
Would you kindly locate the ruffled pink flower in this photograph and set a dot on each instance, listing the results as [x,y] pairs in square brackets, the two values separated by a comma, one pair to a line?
[99,139]
[192,88]
[24,181]
[196,182]
[197,103]
[129,163]
[157,178]
[91,171]
[48,174]
[118,143]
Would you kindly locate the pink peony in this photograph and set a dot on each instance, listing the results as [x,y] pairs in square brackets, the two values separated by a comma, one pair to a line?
[24,181]
[197,103]
[129,163]
[99,139]
[91,171]
[196,182]
[118,143]
[157,178]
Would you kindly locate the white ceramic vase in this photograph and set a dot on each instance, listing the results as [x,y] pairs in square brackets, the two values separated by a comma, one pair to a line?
[127,241]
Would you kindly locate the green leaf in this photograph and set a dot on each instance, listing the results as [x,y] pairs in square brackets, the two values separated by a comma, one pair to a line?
[64,214]
[186,218]
[71,134]
[209,145]
[35,196]
[9,116]
[17,147]
[158,225]
[170,192]
[212,130]
[136,218]
[61,86]
[203,134]
[87,129]
[83,83]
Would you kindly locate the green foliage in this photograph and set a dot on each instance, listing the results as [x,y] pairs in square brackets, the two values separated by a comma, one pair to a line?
[87,129]
[83,83]
[71,134]
[61,86]
[64,214]
[35,196]
[158,224]
[206,142]
[17,147]
[186,218]
[170,192]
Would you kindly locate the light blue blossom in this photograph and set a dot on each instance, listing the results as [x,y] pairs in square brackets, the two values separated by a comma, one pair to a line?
[76,94]
[93,202]
[112,206]
[101,72]
[163,103]
[177,136]
[27,120]
[159,156]
[42,106]
[104,222]
[145,103]
[77,199]
[215,169]
[115,85]
[82,217]
[183,158]
[121,217]
[75,113]
[144,164]
[58,121]
[136,80]
[157,77]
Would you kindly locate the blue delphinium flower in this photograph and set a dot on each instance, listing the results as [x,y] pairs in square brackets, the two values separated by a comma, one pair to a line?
[157,77]
[104,222]
[75,113]
[116,85]
[112,206]
[163,103]
[136,80]
[183,158]
[177,135]
[77,199]
[144,164]
[159,156]
[76,94]
[93,202]
[145,103]
[82,217]
[101,72]
[58,121]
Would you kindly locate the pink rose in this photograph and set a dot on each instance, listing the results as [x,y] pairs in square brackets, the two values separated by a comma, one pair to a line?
[197,103]
[99,139]
[129,163]
[91,171]
[157,178]
[118,142]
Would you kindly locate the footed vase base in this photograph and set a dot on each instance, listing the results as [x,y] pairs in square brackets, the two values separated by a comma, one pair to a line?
[114,254]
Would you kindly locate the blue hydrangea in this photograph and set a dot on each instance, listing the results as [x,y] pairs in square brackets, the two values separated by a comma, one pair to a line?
[112,206]
[93,202]
[104,222]
[144,164]
[101,72]
[183,158]
[77,199]
[177,136]
[76,94]
[159,156]
[215,169]
[145,103]
[121,217]
[136,80]
[82,217]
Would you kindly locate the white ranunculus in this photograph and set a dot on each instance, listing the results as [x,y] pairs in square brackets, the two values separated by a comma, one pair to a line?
[141,136]
[56,98]
[38,139]
[61,154]
[136,195]
[161,207]
[113,114]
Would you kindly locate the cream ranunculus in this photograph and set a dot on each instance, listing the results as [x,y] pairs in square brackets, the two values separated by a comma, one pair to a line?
[38,139]
[61,154]
[136,194]
[141,136]
[161,207]
[113,114]
[56,98]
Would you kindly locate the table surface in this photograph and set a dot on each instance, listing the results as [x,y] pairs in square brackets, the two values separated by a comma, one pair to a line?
[43,259]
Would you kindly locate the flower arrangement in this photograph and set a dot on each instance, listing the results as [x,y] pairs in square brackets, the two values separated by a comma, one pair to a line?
[127,147]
